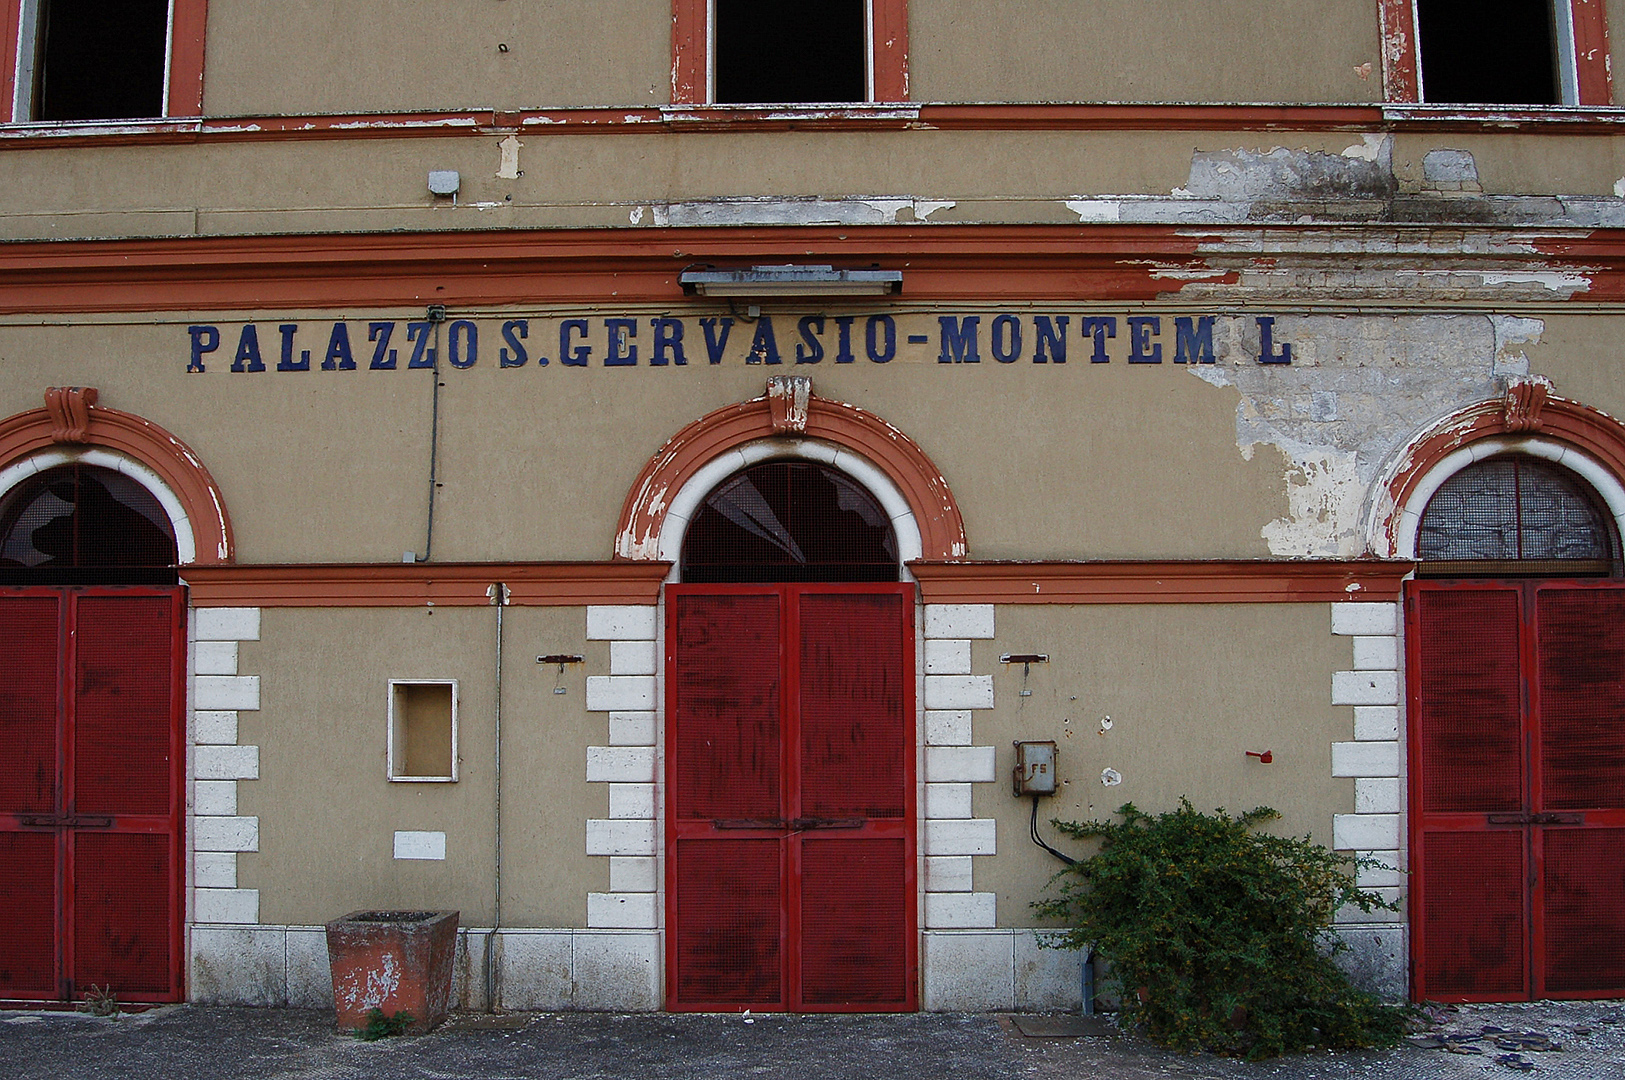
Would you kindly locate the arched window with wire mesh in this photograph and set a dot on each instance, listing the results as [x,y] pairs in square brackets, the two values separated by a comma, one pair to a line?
[1515,514]
[84,524]
[790,521]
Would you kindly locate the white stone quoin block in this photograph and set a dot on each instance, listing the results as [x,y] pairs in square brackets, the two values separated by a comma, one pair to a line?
[240,906]
[617,970]
[962,764]
[1365,759]
[226,833]
[620,693]
[1377,795]
[1376,722]
[632,729]
[1376,653]
[215,798]
[214,869]
[1365,831]
[959,620]
[226,763]
[1385,875]
[241,692]
[977,836]
[620,836]
[960,910]
[215,727]
[948,656]
[632,658]
[621,764]
[1365,687]
[967,971]
[631,800]
[959,691]
[214,658]
[633,873]
[227,624]
[943,727]
[1364,619]
[621,622]
[947,801]
[621,910]
[948,873]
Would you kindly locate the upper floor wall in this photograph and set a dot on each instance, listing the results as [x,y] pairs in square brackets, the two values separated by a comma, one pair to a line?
[304,57]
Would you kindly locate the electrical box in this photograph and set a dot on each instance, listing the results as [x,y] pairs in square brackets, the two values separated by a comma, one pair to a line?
[1034,773]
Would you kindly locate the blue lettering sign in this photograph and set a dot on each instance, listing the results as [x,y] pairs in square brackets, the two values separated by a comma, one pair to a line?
[248,351]
[888,330]
[1049,339]
[571,354]
[668,340]
[1006,339]
[383,357]
[205,339]
[619,352]
[513,354]
[339,357]
[959,340]
[417,334]
[813,351]
[1101,327]
[714,342]
[763,348]
[1140,348]
[843,339]
[287,363]
[1266,343]
[1193,340]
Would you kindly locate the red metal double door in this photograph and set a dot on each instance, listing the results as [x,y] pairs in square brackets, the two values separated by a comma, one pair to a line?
[790,825]
[92,767]
[1517,741]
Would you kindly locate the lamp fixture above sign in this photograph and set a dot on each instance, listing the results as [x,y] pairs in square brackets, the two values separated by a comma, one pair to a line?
[760,281]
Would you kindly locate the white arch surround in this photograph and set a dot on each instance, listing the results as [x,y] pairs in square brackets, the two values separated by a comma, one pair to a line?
[862,471]
[20,471]
[1600,477]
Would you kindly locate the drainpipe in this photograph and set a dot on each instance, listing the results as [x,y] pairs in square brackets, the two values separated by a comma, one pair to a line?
[497,593]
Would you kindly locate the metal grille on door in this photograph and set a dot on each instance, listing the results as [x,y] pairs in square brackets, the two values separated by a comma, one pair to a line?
[790,831]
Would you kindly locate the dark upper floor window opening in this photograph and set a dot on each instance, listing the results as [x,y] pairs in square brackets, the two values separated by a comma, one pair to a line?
[100,59]
[1490,52]
[811,51]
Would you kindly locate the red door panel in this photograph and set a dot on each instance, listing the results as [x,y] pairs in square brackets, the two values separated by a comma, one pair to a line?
[1518,789]
[790,833]
[91,768]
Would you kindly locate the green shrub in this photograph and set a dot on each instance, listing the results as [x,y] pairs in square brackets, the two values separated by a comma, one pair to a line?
[1218,936]
[381,1025]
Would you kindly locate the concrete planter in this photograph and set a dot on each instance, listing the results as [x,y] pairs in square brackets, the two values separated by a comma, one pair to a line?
[396,961]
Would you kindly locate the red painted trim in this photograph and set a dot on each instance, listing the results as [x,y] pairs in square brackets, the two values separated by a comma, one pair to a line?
[1401,77]
[1561,420]
[180,469]
[1401,80]
[189,20]
[13,13]
[1230,582]
[1591,60]
[690,34]
[942,528]
[420,584]
[570,266]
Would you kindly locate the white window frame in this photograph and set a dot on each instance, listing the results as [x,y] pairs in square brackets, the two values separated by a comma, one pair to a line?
[392,736]
[868,53]
[22,100]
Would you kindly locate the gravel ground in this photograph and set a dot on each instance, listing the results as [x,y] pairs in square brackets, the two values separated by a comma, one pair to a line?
[187,1042]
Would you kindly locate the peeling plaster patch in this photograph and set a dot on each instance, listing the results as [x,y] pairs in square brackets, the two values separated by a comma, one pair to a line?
[881,210]
[1557,282]
[1374,145]
[1619,188]
[924,208]
[508,167]
[1094,210]
[1510,332]
[1244,175]
[636,217]
[1357,390]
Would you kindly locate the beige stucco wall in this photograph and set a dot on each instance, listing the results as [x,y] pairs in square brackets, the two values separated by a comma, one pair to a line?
[327,814]
[1074,461]
[1189,689]
[642,179]
[300,56]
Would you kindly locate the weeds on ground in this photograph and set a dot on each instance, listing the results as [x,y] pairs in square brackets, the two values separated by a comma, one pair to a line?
[381,1025]
[1220,937]
[99,1001]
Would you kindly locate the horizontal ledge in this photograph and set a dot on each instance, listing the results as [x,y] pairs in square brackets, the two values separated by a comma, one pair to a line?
[869,116]
[1160,582]
[557,584]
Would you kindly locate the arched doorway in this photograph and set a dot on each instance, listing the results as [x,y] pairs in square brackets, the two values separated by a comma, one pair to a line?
[1515,631]
[92,771]
[790,735]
